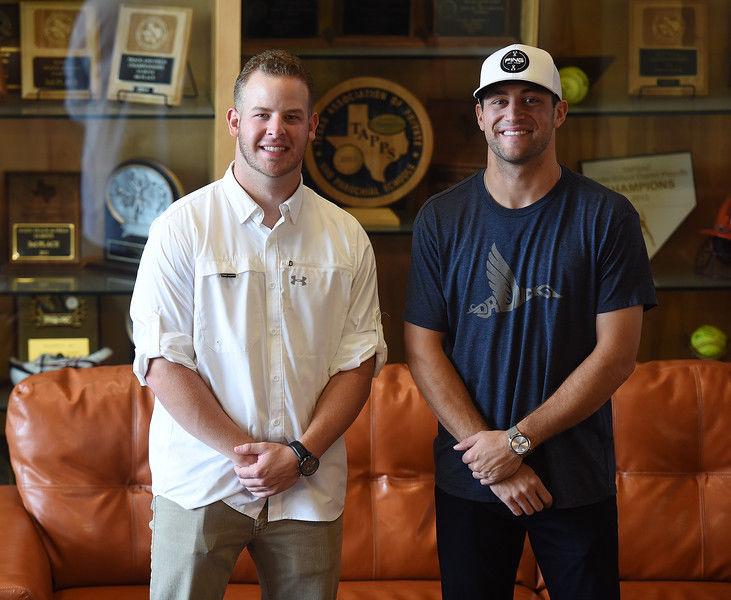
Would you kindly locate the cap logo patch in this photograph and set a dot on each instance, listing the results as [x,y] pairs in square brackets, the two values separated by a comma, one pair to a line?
[514,61]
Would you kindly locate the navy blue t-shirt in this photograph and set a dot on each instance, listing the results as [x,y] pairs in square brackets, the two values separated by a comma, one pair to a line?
[517,292]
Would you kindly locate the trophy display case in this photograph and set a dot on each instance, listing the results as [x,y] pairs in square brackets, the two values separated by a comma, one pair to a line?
[107,115]
[151,83]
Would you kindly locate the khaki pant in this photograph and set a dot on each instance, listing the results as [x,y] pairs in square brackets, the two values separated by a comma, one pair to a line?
[194,552]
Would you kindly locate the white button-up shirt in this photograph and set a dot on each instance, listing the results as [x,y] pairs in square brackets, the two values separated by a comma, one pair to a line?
[265,317]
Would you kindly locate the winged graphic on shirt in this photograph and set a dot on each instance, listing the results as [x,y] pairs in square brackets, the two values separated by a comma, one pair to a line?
[507,295]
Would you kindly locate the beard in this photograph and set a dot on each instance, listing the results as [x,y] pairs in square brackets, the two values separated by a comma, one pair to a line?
[279,169]
[519,156]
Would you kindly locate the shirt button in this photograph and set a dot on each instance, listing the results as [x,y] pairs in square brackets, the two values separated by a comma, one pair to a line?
[274,331]
[276,422]
[275,378]
[272,285]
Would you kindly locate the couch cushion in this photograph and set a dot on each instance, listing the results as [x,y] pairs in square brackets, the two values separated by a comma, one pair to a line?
[389,508]
[78,446]
[78,441]
[675,590]
[674,471]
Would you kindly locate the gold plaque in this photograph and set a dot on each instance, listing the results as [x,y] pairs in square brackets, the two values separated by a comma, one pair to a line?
[57,324]
[3,85]
[668,48]
[59,51]
[150,54]
[9,47]
[44,217]
[373,144]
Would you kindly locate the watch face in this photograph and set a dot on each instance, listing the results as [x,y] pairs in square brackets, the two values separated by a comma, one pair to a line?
[137,192]
[309,465]
[520,444]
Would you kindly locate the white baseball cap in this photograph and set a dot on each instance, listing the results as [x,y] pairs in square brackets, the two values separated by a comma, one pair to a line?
[519,62]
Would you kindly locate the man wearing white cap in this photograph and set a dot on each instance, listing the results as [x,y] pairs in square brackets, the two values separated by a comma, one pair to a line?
[523,315]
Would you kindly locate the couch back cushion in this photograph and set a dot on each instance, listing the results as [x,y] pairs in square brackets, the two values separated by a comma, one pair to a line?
[389,521]
[78,444]
[671,431]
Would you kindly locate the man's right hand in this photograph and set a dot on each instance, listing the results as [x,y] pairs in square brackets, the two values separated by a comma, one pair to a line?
[523,492]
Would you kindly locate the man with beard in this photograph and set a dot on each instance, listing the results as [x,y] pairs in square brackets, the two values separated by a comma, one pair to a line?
[257,326]
[523,315]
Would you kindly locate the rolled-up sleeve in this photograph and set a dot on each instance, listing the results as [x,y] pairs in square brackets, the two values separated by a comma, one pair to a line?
[362,335]
[162,302]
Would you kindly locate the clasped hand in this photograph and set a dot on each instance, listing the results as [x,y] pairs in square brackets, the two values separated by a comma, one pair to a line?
[266,468]
[488,456]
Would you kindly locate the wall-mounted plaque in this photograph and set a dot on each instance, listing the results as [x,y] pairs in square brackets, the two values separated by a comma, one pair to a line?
[44,217]
[9,46]
[469,19]
[280,19]
[3,85]
[668,47]
[485,22]
[137,191]
[376,17]
[373,144]
[659,186]
[57,324]
[59,51]
[150,54]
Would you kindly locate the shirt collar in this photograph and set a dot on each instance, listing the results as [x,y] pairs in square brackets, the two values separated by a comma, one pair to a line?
[246,208]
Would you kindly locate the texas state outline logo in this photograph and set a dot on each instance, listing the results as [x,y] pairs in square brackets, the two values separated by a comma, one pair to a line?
[373,144]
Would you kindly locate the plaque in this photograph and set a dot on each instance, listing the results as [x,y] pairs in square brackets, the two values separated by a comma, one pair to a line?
[373,144]
[659,186]
[495,19]
[280,19]
[56,324]
[10,59]
[376,17]
[9,47]
[150,54]
[59,51]
[44,217]
[3,86]
[668,53]
[137,191]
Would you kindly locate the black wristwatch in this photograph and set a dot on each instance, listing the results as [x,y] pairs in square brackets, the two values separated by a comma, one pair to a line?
[308,462]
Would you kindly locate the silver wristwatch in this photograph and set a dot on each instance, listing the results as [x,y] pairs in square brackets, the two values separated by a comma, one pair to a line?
[518,442]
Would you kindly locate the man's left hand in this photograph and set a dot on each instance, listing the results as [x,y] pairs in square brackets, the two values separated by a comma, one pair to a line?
[273,470]
[488,456]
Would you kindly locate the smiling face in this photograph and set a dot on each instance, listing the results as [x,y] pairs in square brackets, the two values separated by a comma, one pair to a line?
[519,120]
[272,125]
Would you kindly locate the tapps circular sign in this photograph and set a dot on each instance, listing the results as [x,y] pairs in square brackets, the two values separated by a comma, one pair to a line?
[373,144]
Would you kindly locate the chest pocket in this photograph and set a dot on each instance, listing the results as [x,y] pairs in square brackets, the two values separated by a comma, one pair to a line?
[230,304]
[315,302]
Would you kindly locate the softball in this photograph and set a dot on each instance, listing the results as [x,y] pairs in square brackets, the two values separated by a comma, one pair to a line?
[574,84]
[708,341]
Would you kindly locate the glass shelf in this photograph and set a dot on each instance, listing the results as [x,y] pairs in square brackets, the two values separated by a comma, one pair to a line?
[623,105]
[90,279]
[414,51]
[13,107]
[684,277]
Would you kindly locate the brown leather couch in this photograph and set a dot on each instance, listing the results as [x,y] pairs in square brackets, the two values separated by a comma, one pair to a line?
[76,526]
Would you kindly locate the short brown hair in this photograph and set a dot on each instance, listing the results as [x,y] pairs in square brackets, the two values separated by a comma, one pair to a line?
[277,63]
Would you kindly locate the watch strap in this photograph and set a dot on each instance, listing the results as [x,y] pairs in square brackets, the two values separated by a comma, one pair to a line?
[299,449]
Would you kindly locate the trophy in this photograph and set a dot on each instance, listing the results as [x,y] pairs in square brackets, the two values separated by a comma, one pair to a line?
[44,217]
[668,53]
[59,51]
[150,53]
[372,147]
[137,191]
